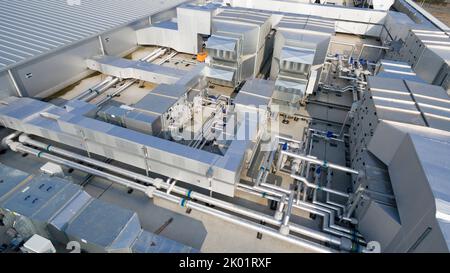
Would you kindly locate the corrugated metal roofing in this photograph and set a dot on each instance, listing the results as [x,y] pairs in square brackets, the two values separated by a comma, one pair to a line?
[29,28]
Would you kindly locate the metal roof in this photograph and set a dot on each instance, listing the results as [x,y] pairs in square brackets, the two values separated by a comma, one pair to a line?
[31,28]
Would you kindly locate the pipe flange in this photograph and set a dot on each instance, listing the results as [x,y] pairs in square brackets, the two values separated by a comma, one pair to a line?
[14,146]
[23,138]
[149,191]
[284,229]
[278,215]
[157,182]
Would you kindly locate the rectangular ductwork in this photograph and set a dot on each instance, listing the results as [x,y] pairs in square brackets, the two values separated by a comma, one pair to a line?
[238,44]
[61,211]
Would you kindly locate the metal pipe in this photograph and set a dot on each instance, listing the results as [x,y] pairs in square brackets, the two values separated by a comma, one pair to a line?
[96,92]
[263,191]
[250,225]
[288,209]
[320,162]
[289,139]
[337,210]
[90,90]
[117,92]
[328,221]
[318,187]
[170,56]
[327,138]
[154,55]
[353,79]
[317,177]
[19,147]
[323,134]
[6,140]
[276,188]
[327,198]
[348,44]
[323,237]
[327,214]
[138,177]
[371,46]
[279,213]
[266,170]
[302,205]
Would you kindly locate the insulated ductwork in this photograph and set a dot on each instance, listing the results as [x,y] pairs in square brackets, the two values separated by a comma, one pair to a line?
[184,34]
[301,45]
[61,211]
[239,44]
[389,143]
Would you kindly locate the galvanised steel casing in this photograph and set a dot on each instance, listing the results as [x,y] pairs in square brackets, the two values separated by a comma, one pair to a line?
[398,100]
[302,33]
[419,177]
[238,43]
[183,34]
[387,135]
[102,227]
[351,20]
[37,203]
[62,211]
[428,52]
[136,120]
[211,171]
[301,43]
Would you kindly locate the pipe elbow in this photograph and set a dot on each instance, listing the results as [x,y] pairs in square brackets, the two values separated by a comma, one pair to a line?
[150,191]
[14,146]
[9,140]
[23,138]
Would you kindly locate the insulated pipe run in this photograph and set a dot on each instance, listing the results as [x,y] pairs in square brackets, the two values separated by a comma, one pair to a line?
[158,184]
[330,233]
[289,139]
[323,135]
[149,58]
[327,200]
[8,139]
[347,44]
[170,56]
[353,79]
[248,224]
[289,209]
[337,210]
[19,147]
[279,213]
[285,227]
[117,92]
[320,162]
[262,185]
[96,92]
[275,188]
[371,46]
[171,187]
[326,213]
[151,191]
[92,89]
[335,229]
[318,187]
[328,222]
[154,55]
